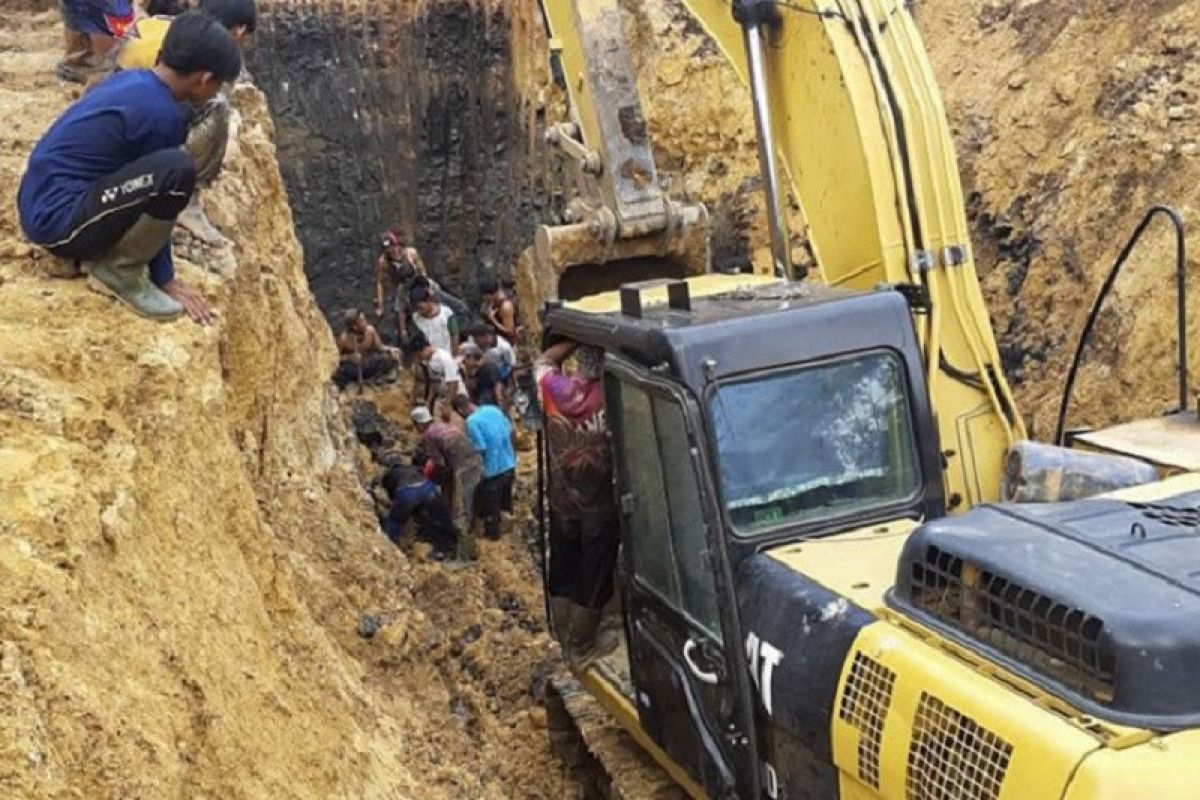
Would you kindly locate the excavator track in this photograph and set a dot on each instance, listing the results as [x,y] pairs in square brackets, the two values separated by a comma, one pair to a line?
[609,762]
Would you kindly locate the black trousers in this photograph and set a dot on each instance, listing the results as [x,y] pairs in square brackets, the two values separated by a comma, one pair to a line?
[493,496]
[372,367]
[159,185]
[583,557]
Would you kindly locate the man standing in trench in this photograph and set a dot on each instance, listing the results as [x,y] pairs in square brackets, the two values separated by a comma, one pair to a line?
[584,527]
[457,467]
[396,268]
[491,433]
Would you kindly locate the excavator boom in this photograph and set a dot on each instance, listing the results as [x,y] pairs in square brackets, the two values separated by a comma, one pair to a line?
[619,221]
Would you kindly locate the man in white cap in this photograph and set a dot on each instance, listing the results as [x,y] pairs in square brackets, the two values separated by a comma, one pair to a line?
[456,467]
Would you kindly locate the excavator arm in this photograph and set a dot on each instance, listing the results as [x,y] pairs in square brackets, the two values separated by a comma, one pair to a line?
[618,214]
[851,125]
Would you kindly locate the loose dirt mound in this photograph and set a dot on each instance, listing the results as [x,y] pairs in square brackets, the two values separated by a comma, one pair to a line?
[186,548]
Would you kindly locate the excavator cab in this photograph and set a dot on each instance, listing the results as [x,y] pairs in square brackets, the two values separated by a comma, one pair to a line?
[744,414]
[800,616]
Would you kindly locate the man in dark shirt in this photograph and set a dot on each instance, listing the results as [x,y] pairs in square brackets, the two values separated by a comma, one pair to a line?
[413,495]
[484,384]
[106,182]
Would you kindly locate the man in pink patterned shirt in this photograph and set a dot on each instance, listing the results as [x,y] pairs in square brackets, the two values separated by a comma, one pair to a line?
[584,527]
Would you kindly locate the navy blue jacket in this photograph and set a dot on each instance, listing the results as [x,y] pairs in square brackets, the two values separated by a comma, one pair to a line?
[431,511]
[128,116]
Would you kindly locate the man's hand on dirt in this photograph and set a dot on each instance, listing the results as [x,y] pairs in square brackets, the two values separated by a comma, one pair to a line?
[192,301]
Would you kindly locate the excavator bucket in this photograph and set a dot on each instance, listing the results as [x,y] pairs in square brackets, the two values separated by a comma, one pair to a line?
[580,264]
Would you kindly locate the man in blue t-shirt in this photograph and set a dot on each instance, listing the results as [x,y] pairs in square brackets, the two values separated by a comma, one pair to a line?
[491,433]
[106,182]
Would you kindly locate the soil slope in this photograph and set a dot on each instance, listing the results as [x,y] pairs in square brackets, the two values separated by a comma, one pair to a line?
[1071,120]
[186,547]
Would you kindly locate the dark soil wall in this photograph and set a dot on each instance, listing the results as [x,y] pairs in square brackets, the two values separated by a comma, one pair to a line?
[399,114]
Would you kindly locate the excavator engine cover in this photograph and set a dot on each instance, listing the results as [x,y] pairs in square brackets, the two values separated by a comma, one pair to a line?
[1097,601]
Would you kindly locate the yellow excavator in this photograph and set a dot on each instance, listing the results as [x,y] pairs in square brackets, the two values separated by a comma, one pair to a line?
[822,594]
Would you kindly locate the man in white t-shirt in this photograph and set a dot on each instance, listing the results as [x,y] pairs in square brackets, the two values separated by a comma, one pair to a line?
[442,377]
[435,321]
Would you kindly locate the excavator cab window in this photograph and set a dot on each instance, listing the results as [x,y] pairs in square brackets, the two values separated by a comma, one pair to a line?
[669,556]
[814,443]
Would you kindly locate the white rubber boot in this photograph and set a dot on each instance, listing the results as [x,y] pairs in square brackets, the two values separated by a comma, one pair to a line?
[123,272]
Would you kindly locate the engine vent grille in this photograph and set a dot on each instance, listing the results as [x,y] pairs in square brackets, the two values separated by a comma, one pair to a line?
[1175,516]
[953,757]
[865,705]
[1056,639]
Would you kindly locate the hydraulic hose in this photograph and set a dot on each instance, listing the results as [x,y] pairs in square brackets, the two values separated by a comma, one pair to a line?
[1180,311]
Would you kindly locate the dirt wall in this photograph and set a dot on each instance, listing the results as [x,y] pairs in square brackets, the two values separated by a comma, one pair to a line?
[1071,119]
[403,114]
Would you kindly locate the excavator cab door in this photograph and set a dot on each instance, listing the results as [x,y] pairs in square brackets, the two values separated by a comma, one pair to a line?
[683,654]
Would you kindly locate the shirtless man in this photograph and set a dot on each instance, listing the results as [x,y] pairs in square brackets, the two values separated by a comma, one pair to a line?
[395,269]
[363,354]
[498,309]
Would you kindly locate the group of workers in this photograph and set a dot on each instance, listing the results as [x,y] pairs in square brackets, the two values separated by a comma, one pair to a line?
[466,377]
[107,182]
[105,186]
[465,466]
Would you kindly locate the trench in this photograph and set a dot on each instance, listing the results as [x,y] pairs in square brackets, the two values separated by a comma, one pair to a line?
[426,116]
[414,115]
